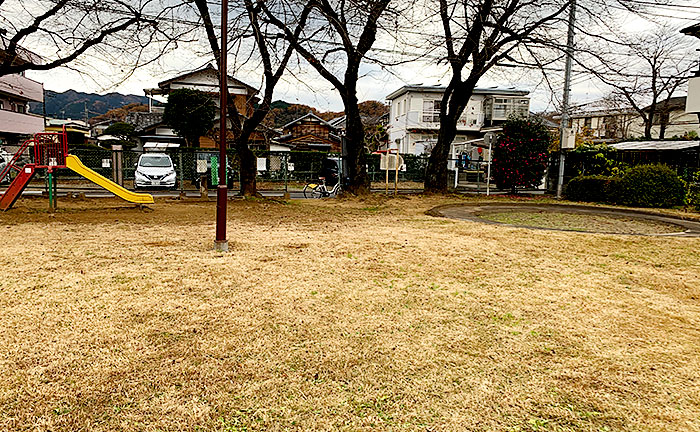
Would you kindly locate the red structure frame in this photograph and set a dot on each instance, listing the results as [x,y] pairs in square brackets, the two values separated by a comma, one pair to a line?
[50,150]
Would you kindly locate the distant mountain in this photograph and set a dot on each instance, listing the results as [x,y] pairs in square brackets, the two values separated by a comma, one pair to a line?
[72,104]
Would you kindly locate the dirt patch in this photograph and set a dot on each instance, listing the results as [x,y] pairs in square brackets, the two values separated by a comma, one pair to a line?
[583,223]
[341,314]
[580,218]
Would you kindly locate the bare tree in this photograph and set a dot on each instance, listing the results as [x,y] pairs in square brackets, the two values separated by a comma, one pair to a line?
[343,34]
[476,36]
[273,55]
[644,72]
[65,31]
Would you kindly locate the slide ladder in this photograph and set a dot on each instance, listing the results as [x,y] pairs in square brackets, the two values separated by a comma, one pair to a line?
[73,163]
[15,189]
[12,165]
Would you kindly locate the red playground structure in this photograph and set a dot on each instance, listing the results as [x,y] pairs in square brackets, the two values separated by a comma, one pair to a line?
[50,150]
[51,153]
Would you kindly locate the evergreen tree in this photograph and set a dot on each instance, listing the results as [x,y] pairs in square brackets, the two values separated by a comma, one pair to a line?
[520,153]
[190,113]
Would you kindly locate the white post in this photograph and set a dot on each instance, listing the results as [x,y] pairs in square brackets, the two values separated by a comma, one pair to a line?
[488,172]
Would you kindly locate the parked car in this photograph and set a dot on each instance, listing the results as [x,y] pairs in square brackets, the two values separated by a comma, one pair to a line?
[155,170]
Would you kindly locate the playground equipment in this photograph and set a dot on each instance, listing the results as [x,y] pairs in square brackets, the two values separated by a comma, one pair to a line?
[51,153]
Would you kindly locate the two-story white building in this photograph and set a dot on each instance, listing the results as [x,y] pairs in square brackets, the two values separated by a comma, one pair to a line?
[16,91]
[414,117]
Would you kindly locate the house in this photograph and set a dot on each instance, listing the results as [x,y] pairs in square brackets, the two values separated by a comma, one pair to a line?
[150,126]
[310,133]
[414,117]
[77,131]
[612,125]
[692,106]
[670,120]
[604,125]
[16,91]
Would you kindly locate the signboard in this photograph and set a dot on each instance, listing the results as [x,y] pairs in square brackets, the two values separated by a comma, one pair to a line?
[389,161]
[201,166]
[262,164]
[569,141]
[106,163]
[214,170]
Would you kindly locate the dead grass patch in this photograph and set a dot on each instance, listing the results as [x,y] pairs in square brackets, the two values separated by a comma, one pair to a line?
[350,314]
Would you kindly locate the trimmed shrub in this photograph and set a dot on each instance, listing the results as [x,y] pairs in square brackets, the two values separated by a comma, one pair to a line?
[692,198]
[595,188]
[650,186]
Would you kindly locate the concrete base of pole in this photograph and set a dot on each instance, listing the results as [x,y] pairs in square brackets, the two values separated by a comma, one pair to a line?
[221,245]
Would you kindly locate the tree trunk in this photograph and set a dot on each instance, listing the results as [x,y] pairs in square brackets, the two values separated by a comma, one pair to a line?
[358,182]
[649,123]
[436,172]
[248,166]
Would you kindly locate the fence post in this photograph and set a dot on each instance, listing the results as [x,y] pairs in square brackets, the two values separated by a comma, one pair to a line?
[286,174]
[118,164]
[182,172]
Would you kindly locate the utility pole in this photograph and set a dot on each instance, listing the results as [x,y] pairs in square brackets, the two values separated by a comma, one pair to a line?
[221,243]
[565,100]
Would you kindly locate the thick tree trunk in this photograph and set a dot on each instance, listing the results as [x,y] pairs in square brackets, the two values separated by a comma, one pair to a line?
[248,167]
[436,172]
[358,182]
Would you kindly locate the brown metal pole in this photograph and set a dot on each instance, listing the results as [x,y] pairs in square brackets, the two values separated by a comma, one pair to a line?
[221,244]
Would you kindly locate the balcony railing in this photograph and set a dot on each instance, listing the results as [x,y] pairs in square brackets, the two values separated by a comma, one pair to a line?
[430,119]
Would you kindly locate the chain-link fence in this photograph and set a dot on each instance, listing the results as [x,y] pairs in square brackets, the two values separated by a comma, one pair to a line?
[276,171]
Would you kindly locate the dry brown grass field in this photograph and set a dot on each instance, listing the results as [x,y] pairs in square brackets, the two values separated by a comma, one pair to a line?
[339,315]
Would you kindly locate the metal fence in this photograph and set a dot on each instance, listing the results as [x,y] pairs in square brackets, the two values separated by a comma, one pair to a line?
[280,171]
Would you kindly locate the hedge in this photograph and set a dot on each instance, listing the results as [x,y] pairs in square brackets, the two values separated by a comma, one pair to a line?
[595,188]
[641,186]
[651,186]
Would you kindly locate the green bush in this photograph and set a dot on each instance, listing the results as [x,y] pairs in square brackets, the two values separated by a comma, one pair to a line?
[692,198]
[595,188]
[650,186]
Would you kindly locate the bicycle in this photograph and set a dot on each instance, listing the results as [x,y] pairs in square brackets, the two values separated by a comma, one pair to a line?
[315,190]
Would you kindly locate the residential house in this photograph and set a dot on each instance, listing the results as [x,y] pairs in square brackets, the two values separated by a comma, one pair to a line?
[414,118]
[613,125]
[151,128]
[77,131]
[310,133]
[16,91]
[670,120]
[604,125]
[692,106]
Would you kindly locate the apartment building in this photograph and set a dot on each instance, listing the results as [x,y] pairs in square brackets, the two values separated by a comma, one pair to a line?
[414,118]
[16,91]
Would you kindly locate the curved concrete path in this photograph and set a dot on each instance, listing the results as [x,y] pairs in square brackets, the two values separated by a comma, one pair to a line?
[687,227]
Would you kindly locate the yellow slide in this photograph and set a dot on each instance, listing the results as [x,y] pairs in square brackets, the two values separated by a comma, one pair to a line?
[76,165]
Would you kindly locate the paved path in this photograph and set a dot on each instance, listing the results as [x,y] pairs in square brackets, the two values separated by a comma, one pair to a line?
[690,227]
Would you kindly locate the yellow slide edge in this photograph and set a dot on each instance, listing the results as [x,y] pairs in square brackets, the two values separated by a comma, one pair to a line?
[73,163]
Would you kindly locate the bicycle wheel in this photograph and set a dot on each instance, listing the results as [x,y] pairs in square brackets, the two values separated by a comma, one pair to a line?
[313,191]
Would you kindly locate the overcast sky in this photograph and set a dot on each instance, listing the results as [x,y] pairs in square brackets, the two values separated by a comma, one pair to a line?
[306,87]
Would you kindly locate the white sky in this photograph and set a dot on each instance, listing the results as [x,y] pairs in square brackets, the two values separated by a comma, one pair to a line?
[306,87]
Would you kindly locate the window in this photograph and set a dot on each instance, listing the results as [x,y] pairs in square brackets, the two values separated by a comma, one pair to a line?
[21,108]
[505,107]
[431,111]
[587,122]
[2,105]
